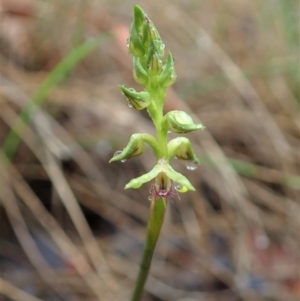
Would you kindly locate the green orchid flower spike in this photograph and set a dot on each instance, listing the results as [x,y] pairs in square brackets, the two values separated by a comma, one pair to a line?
[155,72]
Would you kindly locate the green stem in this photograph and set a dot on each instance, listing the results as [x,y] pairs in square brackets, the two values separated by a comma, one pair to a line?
[155,111]
[155,221]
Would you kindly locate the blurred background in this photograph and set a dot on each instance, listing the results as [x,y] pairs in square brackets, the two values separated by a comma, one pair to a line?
[68,230]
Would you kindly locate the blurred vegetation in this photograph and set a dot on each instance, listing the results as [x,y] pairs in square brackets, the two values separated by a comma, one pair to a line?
[68,230]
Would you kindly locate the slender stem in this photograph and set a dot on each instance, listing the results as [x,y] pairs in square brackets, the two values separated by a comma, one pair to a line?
[158,206]
[155,221]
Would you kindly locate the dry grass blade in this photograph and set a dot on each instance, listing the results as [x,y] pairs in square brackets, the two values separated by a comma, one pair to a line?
[71,204]
[237,77]
[70,251]
[14,293]
[21,230]
[75,212]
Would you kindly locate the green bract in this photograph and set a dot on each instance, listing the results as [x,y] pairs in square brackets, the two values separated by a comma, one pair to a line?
[138,20]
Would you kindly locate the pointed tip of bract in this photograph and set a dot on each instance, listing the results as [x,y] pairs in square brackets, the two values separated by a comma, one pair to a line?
[138,12]
[139,15]
[137,9]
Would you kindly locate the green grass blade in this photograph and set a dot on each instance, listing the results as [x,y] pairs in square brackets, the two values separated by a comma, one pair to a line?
[55,77]
[251,170]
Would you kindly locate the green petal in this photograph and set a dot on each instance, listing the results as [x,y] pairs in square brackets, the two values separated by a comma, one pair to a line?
[162,166]
[138,182]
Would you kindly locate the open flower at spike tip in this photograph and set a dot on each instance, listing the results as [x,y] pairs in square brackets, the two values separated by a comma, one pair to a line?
[167,181]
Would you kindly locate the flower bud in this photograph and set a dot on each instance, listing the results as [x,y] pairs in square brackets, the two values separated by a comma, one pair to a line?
[139,100]
[135,46]
[134,148]
[153,33]
[160,47]
[154,63]
[168,74]
[182,149]
[150,33]
[139,73]
[138,18]
[181,122]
